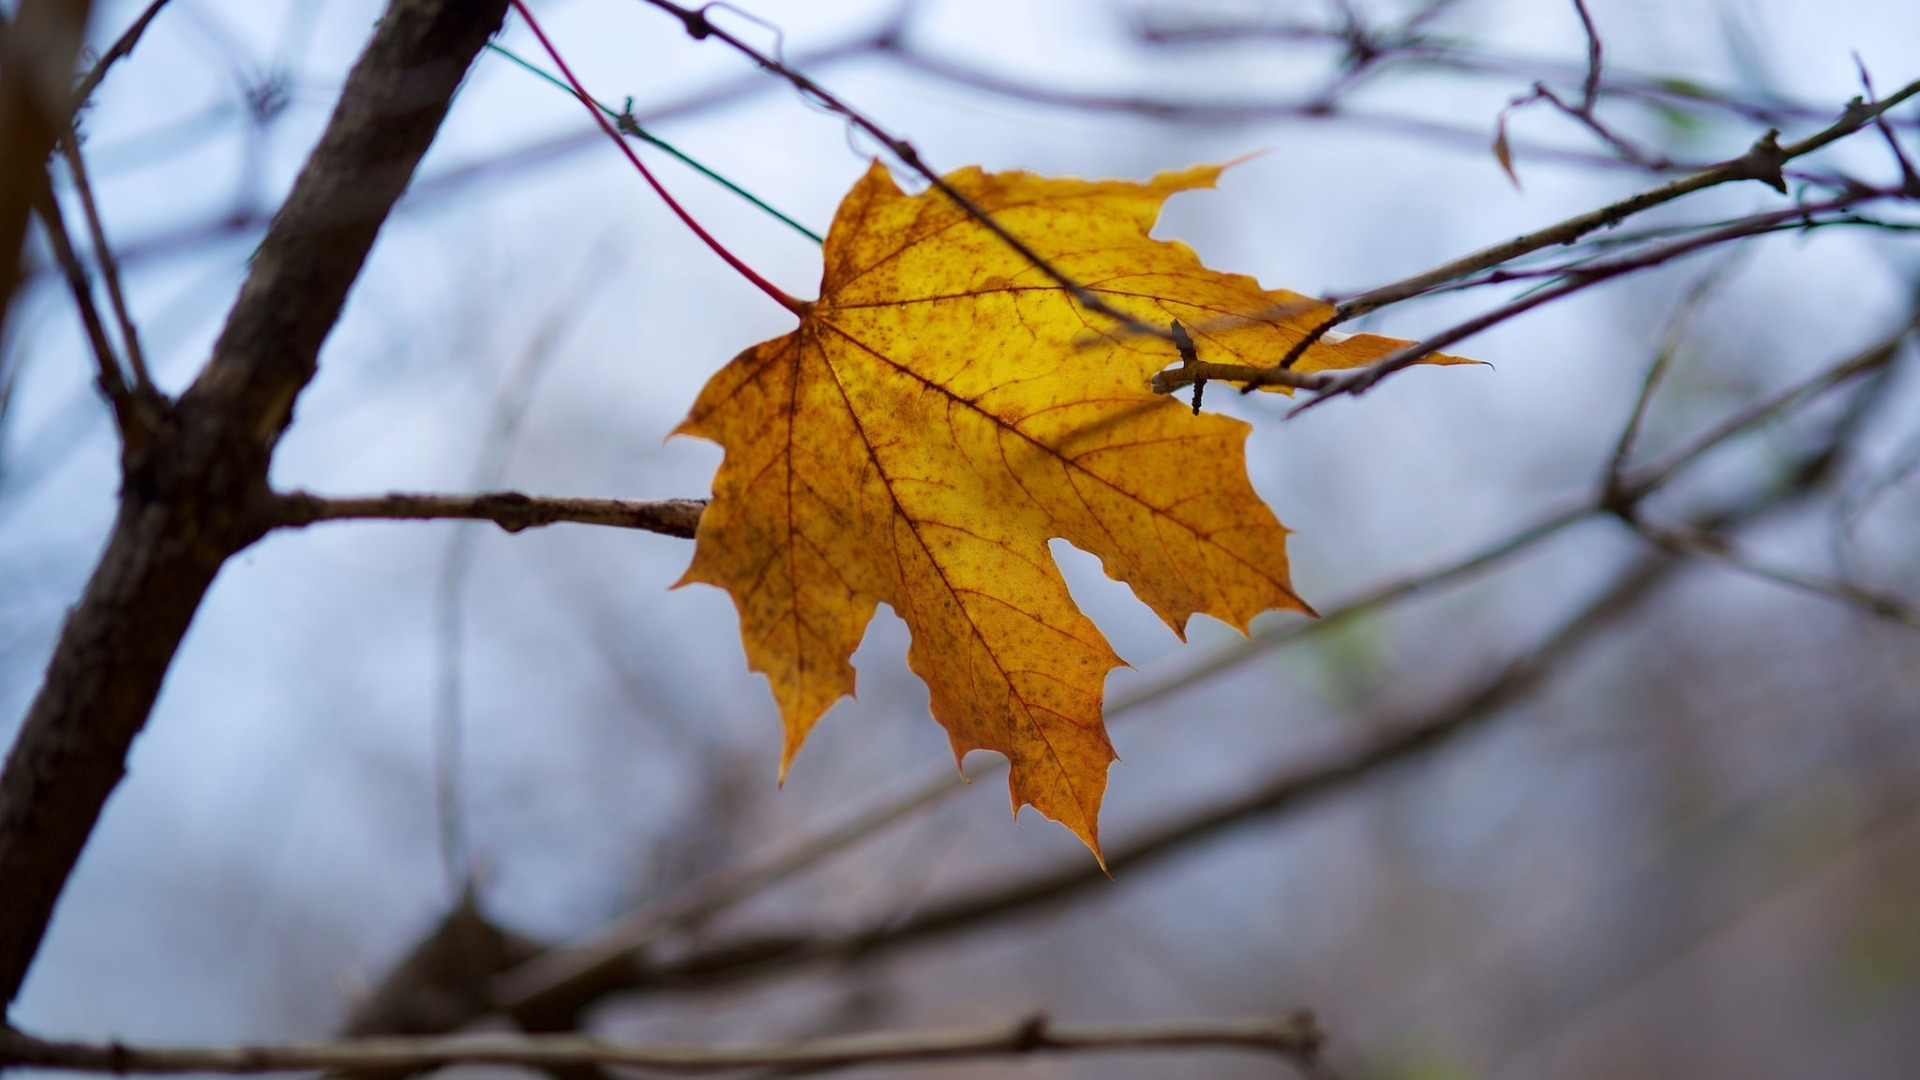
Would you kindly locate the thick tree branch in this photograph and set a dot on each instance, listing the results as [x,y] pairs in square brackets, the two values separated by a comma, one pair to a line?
[1296,1039]
[510,510]
[192,497]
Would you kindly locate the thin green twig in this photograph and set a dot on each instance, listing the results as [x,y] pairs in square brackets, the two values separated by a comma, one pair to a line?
[629,126]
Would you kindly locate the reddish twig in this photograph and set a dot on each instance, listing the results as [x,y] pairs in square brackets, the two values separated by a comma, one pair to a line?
[798,307]
[699,26]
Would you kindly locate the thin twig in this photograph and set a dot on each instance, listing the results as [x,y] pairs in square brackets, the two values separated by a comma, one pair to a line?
[1414,50]
[698,26]
[1391,744]
[121,48]
[1330,384]
[1670,340]
[1295,1039]
[1872,358]
[567,973]
[1238,112]
[109,266]
[1909,178]
[798,307]
[1762,161]
[510,510]
[1716,548]
[570,976]
[112,381]
[628,125]
[1589,89]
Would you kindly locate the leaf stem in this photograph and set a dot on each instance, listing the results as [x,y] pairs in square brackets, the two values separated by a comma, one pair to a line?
[798,307]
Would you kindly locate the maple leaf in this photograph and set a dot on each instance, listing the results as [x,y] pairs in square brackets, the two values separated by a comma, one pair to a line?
[943,411]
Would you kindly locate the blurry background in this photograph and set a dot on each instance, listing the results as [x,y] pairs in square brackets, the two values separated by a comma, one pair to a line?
[1690,848]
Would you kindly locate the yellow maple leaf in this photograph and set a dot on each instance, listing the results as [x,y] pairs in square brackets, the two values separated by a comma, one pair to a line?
[942,411]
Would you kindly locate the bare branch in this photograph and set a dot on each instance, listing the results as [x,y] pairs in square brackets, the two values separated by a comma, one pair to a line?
[432,189]
[111,380]
[121,48]
[1574,278]
[699,27]
[1872,358]
[567,977]
[1909,177]
[109,266]
[1317,108]
[1589,89]
[510,510]
[1400,47]
[1663,358]
[1717,548]
[1393,743]
[190,498]
[1763,162]
[1296,1039]
[566,980]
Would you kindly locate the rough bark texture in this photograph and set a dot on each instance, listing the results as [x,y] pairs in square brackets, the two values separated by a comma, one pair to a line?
[197,492]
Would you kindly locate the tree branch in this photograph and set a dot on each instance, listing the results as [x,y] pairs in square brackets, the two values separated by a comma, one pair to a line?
[121,48]
[1763,162]
[584,969]
[1296,1039]
[699,26]
[1572,279]
[109,267]
[192,497]
[558,983]
[1291,790]
[107,374]
[1288,791]
[510,510]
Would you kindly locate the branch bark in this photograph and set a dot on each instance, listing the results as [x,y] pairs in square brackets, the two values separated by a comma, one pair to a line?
[194,494]
[1296,1039]
[510,510]
[1763,162]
